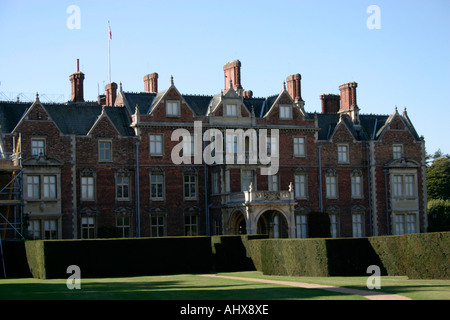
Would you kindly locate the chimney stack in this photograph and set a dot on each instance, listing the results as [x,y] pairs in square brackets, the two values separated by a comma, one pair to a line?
[232,71]
[294,87]
[151,82]
[76,80]
[348,96]
[111,93]
[330,103]
[248,94]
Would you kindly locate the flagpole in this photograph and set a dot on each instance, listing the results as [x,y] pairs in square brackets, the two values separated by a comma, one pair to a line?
[109,51]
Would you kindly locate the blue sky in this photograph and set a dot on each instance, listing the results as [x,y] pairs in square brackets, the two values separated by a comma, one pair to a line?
[404,63]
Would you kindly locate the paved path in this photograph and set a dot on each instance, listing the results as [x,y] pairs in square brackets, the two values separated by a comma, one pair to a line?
[369,294]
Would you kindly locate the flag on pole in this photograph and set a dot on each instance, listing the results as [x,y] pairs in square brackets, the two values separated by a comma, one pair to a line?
[109,30]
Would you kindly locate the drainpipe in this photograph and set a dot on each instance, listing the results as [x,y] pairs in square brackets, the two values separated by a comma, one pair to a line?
[138,218]
[387,200]
[206,194]
[369,189]
[320,178]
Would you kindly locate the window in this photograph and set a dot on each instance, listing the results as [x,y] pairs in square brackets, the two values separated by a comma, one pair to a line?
[50,187]
[334,227]
[215,182]
[190,186]
[300,186]
[397,151]
[231,110]
[87,227]
[356,181]
[156,148]
[276,226]
[104,151]
[343,153]
[34,229]
[50,230]
[173,108]
[157,186]
[190,225]
[189,146]
[33,187]
[301,226]
[273,182]
[157,227]
[331,187]
[357,225]
[404,223]
[123,224]
[37,147]
[299,147]
[247,177]
[122,188]
[403,185]
[87,188]
[285,112]
[272,147]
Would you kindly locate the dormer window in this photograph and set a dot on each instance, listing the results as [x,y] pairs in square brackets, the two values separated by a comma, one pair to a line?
[37,147]
[285,112]
[231,110]
[173,108]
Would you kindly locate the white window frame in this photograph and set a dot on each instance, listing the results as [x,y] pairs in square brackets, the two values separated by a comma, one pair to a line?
[356,181]
[357,225]
[173,108]
[334,225]
[301,226]
[87,185]
[38,146]
[331,183]
[273,182]
[156,146]
[33,187]
[50,229]
[285,111]
[299,146]
[157,225]
[343,153]
[301,185]
[49,185]
[88,226]
[231,110]
[190,195]
[191,225]
[122,186]
[154,177]
[123,224]
[404,185]
[397,151]
[104,151]
[405,223]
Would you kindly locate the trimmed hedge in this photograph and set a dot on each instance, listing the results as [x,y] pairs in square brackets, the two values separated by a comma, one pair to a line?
[230,253]
[49,259]
[418,256]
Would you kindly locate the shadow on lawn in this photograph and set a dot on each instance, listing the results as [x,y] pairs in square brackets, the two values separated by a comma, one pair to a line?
[160,290]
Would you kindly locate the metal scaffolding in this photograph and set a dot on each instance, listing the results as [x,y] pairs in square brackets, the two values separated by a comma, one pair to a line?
[11,199]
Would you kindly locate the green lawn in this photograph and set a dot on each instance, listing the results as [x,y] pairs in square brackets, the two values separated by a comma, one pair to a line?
[193,287]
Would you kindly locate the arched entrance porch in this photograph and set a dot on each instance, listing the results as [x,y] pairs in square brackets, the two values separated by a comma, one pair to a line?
[274,224]
[238,225]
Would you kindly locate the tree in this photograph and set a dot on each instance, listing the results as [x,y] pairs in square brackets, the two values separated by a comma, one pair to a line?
[438,215]
[438,179]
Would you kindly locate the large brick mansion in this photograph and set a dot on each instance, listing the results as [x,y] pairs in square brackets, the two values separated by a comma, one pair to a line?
[106,168]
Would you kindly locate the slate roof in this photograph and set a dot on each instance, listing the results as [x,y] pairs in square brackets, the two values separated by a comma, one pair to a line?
[70,118]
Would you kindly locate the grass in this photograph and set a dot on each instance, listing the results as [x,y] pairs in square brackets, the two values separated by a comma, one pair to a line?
[193,287]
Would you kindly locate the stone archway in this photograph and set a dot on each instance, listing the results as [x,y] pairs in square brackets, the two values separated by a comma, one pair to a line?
[274,224]
[238,224]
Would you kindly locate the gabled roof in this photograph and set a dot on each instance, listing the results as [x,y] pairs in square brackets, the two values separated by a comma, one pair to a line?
[11,113]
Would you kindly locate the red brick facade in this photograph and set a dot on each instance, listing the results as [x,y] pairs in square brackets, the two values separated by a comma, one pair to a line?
[108,171]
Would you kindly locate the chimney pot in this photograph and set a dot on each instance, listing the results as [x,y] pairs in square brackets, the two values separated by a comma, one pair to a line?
[294,87]
[76,80]
[232,73]
[111,93]
[151,82]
